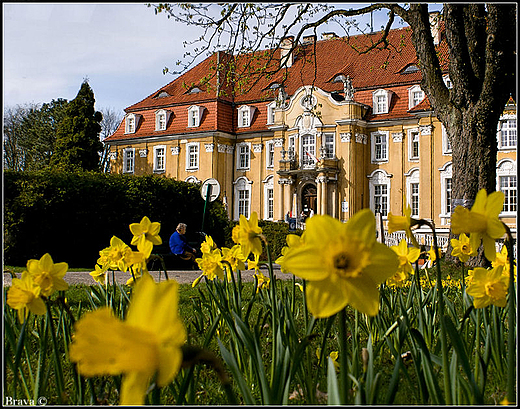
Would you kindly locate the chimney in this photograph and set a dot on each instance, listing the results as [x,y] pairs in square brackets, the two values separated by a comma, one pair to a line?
[286,58]
[309,40]
[328,36]
[435,21]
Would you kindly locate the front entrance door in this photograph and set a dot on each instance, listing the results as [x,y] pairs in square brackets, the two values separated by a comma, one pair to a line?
[308,199]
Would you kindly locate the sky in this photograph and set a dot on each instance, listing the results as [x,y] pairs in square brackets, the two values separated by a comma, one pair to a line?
[121,48]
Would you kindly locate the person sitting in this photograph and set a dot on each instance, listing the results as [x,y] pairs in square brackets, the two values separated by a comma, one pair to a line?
[179,245]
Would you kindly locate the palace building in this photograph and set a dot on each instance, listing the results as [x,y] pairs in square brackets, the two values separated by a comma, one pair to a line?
[332,132]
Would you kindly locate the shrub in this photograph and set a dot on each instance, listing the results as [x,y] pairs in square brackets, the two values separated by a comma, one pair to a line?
[73,215]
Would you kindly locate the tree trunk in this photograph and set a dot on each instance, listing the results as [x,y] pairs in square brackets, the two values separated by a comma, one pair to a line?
[482,70]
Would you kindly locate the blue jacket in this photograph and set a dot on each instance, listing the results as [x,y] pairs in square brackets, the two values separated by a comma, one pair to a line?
[178,243]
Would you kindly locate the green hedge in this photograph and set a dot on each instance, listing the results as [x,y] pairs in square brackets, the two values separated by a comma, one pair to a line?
[72,216]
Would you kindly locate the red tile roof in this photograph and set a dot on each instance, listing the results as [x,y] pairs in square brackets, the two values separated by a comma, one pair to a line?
[379,68]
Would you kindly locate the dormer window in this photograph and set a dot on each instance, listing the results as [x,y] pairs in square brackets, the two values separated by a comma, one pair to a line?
[194,90]
[447,81]
[245,115]
[161,119]
[162,94]
[415,96]
[410,69]
[131,123]
[381,100]
[194,115]
[270,113]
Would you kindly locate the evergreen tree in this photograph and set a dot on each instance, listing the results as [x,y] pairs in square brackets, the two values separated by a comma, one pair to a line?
[77,140]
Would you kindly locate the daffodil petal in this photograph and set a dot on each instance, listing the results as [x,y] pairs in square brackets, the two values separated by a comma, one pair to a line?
[133,388]
[383,263]
[325,297]
[362,226]
[306,264]
[363,296]
[105,345]
[495,203]
[489,248]
[318,230]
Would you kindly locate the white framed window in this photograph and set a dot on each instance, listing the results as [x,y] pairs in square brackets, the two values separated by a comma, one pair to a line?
[412,189]
[507,133]
[245,116]
[379,189]
[243,155]
[192,179]
[192,155]
[415,96]
[194,116]
[381,101]
[329,145]
[270,113]
[131,122]
[379,146]
[269,154]
[161,119]
[446,193]
[446,144]
[507,183]
[242,197]
[292,147]
[268,198]
[413,144]
[159,158]
[308,153]
[128,160]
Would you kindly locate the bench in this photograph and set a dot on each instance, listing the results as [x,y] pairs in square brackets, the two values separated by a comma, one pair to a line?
[163,259]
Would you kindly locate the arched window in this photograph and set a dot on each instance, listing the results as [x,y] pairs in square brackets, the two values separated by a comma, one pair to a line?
[507,184]
[446,197]
[242,197]
[379,189]
[269,198]
[412,189]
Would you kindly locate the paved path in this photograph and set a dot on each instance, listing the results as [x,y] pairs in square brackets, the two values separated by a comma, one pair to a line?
[182,277]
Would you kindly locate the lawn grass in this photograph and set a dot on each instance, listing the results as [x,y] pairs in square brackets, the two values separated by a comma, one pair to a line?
[195,309]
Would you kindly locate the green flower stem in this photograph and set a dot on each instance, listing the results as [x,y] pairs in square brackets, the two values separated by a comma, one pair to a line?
[57,360]
[440,300]
[274,311]
[477,344]
[343,358]
[511,339]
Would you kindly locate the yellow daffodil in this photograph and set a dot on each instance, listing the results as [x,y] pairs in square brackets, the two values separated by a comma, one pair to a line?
[249,235]
[333,355]
[148,343]
[207,245]
[481,221]
[99,274]
[396,223]
[488,286]
[406,256]
[117,256]
[24,296]
[263,281]
[146,235]
[432,256]
[343,263]
[462,248]
[253,264]
[47,275]
[293,241]
[234,257]
[210,264]
[503,260]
